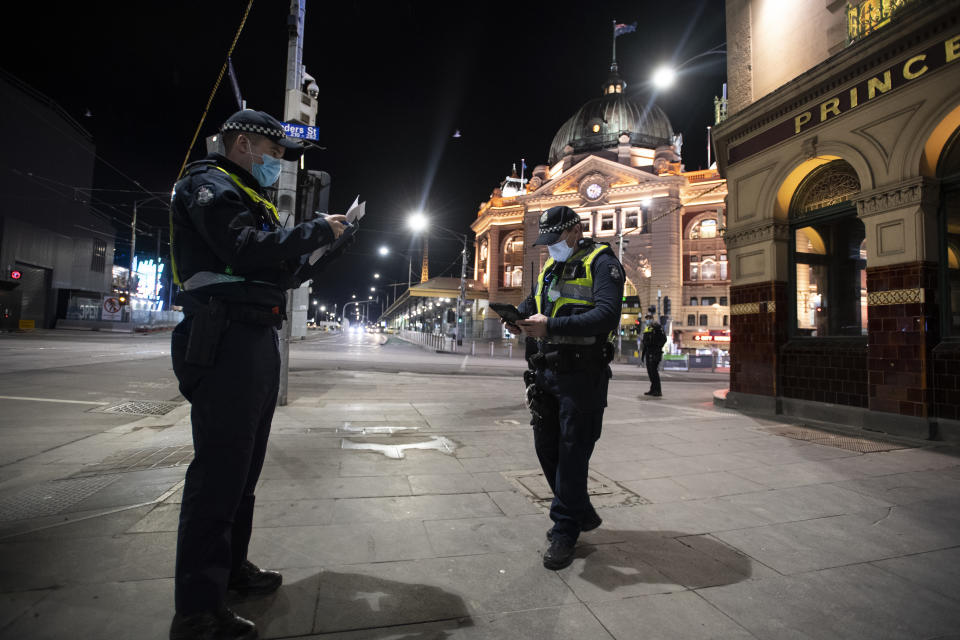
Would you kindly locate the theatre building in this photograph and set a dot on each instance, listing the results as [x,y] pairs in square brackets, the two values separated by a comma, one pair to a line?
[617,162]
[842,161]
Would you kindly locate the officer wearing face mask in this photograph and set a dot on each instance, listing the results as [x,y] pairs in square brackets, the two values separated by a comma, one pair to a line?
[234,263]
[572,314]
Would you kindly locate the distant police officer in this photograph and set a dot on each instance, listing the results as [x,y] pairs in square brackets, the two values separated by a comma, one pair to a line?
[651,354]
[234,263]
[572,313]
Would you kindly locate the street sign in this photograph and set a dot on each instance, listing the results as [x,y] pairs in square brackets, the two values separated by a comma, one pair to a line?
[301,131]
[112,309]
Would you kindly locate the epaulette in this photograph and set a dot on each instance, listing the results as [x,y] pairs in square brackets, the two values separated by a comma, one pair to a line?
[199,166]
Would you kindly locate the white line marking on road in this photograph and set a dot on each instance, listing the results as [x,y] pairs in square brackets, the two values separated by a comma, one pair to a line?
[463,365]
[51,400]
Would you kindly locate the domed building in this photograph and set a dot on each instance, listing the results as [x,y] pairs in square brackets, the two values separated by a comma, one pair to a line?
[617,162]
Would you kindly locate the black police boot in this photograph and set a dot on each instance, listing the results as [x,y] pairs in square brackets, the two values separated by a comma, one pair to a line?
[251,580]
[559,555]
[212,625]
[589,524]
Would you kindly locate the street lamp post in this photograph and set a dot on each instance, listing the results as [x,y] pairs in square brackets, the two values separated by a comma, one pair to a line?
[419,222]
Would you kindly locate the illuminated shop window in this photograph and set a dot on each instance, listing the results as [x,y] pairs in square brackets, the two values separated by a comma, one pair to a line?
[694,267]
[708,267]
[484,251]
[723,268]
[828,254]
[631,218]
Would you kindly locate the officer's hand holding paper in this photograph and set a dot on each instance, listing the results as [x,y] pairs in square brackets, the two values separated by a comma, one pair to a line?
[354,215]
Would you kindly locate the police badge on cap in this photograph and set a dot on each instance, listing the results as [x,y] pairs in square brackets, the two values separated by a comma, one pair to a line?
[251,121]
[554,222]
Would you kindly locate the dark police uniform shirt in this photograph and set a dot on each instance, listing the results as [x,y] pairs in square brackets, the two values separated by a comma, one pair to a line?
[604,317]
[220,229]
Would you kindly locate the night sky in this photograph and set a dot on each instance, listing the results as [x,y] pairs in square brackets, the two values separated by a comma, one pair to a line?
[396,81]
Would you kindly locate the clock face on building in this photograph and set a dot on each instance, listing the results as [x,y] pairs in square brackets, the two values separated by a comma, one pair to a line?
[593,190]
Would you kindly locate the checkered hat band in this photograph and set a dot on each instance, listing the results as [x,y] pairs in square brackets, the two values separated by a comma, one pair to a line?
[253,128]
[560,227]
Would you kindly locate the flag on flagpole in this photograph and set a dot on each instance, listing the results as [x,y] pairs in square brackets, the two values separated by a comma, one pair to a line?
[620,29]
[523,164]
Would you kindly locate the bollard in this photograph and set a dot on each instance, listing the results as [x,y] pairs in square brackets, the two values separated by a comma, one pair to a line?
[510,350]
[491,348]
[473,348]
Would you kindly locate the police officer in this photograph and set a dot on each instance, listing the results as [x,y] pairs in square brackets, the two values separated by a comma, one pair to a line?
[571,314]
[652,352]
[234,263]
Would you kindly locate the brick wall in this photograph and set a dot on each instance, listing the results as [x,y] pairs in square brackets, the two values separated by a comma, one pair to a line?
[825,370]
[756,333]
[901,338]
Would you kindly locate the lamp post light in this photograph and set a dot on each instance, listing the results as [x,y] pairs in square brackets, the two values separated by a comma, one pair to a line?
[665,75]
[419,222]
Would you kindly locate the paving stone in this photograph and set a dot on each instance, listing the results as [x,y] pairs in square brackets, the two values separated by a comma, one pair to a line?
[804,503]
[315,488]
[130,609]
[853,602]
[493,481]
[906,488]
[393,593]
[677,466]
[690,517]
[821,543]
[488,535]
[14,605]
[439,507]
[679,616]
[937,570]
[512,503]
[84,524]
[796,474]
[38,564]
[162,517]
[445,483]
[306,546]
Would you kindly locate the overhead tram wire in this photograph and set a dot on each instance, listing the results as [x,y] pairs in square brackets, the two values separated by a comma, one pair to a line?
[216,86]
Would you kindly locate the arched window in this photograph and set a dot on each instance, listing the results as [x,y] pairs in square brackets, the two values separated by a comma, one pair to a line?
[948,171]
[704,229]
[828,255]
[513,260]
[484,252]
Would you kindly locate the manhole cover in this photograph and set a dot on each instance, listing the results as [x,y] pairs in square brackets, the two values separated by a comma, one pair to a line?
[50,498]
[847,443]
[603,491]
[141,459]
[141,408]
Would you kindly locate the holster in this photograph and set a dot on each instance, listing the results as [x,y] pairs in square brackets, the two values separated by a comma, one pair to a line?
[209,323]
[567,359]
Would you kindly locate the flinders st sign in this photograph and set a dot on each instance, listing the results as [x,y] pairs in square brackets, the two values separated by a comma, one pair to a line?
[875,87]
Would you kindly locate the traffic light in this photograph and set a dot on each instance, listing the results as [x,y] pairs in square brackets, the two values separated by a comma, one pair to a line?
[313,194]
[666,306]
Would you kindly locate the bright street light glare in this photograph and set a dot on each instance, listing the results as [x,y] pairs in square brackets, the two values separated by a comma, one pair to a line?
[383,250]
[417,221]
[373,288]
[663,77]
[376,276]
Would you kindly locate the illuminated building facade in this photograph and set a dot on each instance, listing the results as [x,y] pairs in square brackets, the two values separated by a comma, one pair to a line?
[843,164]
[617,163]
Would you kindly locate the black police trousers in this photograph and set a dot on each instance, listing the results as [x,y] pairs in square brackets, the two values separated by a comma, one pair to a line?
[564,439]
[232,407]
[653,372]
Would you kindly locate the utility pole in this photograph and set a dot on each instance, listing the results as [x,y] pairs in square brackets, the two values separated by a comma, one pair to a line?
[133,248]
[288,178]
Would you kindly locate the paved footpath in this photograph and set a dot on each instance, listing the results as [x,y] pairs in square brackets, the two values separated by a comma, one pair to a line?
[410,506]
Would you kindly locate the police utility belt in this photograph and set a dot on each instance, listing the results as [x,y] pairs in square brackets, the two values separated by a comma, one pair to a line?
[562,354]
[211,318]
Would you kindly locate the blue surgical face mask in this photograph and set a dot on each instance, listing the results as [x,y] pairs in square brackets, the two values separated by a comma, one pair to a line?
[268,172]
[560,251]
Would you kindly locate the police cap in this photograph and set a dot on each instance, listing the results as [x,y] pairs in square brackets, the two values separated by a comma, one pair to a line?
[251,121]
[554,222]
